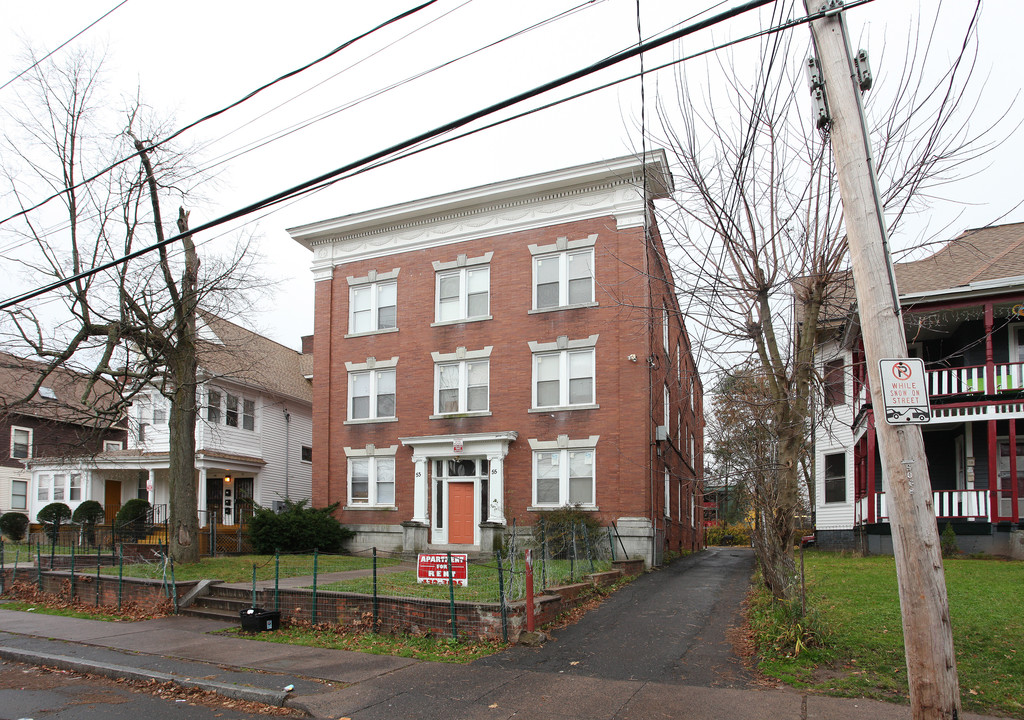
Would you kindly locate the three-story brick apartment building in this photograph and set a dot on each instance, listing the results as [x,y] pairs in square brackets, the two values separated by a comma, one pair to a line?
[489,354]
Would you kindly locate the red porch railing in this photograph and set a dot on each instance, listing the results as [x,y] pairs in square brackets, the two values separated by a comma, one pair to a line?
[973,379]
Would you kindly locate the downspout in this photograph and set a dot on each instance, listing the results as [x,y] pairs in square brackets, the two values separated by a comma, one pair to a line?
[287,449]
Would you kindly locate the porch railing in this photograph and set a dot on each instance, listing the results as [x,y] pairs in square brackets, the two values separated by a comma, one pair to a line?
[947,505]
[972,379]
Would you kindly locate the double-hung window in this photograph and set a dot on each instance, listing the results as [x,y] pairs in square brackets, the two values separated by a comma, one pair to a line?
[19,494]
[371,390]
[563,472]
[213,406]
[371,476]
[563,274]
[462,381]
[373,303]
[231,414]
[563,373]
[43,488]
[835,478]
[835,383]
[75,487]
[21,443]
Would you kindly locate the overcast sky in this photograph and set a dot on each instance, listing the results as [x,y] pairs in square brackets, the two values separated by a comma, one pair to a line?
[189,58]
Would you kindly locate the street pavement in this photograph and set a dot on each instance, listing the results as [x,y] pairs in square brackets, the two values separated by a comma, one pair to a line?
[658,648]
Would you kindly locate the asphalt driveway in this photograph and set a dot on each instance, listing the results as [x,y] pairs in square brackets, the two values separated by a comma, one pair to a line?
[669,626]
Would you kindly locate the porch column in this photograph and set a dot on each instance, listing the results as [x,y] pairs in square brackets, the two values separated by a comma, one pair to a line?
[969,454]
[871,468]
[993,472]
[496,489]
[1014,513]
[151,486]
[201,496]
[419,491]
[990,362]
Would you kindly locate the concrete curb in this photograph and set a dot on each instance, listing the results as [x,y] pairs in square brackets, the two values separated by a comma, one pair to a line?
[236,692]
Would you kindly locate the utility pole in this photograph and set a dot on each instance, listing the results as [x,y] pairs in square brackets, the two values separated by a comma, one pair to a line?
[927,633]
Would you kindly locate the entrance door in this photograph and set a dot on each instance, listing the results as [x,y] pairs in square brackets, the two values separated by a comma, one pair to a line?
[460,513]
[111,500]
[1011,489]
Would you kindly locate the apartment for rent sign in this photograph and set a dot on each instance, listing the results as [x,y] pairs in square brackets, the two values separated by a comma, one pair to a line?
[905,391]
[432,568]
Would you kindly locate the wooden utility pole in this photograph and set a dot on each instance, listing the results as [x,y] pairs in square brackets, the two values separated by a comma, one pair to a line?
[927,633]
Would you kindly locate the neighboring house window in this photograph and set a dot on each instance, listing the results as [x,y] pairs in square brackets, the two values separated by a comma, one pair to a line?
[112,445]
[248,414]
[667,404]
[563,378]
[307,453]
[371,394]
[462,386]
[213,406]
[371,481]
[159,412]
[835,478]
[231,410]
[373,303]
[142,431]
[463,294]
[58,487]
[75,487]
[565,278]
[43,491]
[19,494]
[21,443]
[835,384]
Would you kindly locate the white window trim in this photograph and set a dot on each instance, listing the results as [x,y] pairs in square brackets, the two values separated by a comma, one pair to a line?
[664,328]
[372,453]
[464,315]
[562,346]
[373,278]
[31,438]
[846,477]
[562,247]
[461,356]
[563,445]
[109,445]
[43,479]
[668,494]
[371,365]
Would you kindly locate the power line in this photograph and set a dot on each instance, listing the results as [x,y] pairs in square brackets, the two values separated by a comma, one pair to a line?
[47,55]
[453,125]
[223,110]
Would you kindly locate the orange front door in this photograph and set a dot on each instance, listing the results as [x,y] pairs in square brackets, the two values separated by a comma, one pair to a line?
[111,500]
[460,513]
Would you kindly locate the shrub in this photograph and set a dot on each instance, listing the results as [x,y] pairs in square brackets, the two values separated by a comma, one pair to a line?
[88,515]
[130,523]
[297,528]
[559,526]
[948,542]
[52,517]
[727,535]
[14,525]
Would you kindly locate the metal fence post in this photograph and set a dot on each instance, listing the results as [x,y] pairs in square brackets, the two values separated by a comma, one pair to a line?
[254,585]
[277,579]
[501,598]
[376,607]
[39,565]
[451,596]
[72,598]
[97,577]
[120,576]
[315,558]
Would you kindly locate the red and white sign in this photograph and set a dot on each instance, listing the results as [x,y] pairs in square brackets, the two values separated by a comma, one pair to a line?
[457,446]
[432,569]
[905,391]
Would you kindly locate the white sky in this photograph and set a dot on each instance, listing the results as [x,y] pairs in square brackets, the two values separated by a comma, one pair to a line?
[190,58]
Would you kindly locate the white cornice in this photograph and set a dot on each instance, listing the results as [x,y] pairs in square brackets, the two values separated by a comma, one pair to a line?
[585,192]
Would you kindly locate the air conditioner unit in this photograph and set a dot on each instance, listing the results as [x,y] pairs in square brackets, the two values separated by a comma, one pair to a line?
[661,433]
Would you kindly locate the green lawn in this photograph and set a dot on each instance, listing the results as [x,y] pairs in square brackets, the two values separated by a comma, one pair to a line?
[857,606]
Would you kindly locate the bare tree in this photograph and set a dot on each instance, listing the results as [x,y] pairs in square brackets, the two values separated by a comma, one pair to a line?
[132,327]
[760,239]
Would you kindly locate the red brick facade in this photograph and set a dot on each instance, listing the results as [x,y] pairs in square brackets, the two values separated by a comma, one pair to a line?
[632,368]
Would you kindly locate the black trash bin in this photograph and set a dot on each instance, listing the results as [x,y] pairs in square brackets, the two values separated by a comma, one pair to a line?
[256,619]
